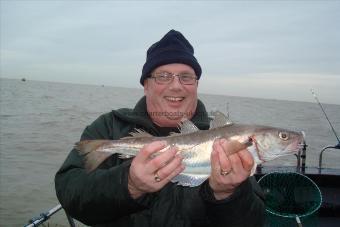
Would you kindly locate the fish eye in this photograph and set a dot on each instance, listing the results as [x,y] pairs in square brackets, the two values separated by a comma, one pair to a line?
[284,135]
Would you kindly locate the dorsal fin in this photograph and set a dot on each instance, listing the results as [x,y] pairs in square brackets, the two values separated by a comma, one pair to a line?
[138,133]
[219,120]
[186,126]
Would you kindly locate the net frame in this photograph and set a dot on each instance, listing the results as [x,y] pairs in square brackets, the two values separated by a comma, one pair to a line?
[303,177]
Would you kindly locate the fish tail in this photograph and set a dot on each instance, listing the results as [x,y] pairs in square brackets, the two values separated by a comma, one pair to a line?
[92,152]
[86,146]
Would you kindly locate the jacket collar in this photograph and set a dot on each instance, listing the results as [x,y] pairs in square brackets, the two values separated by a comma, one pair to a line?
[139,116]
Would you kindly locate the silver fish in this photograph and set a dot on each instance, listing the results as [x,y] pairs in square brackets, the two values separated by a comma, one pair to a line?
[263,142]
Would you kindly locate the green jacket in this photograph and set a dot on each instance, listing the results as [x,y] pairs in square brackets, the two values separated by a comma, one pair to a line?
[101,198]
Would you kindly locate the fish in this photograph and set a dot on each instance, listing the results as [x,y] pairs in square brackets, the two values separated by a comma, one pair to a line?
[265,143]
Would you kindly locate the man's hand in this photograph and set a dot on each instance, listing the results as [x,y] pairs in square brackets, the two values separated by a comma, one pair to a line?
[228,170]
[150,173]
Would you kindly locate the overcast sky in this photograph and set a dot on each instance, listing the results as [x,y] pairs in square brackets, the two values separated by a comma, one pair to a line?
[265,49]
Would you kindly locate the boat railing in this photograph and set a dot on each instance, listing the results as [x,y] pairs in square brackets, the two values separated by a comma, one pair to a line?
[301,159]
[322,151]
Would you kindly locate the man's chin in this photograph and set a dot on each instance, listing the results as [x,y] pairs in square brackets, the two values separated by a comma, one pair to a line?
[174,118]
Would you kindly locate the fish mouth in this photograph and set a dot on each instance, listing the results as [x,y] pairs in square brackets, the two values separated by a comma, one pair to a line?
[298,145]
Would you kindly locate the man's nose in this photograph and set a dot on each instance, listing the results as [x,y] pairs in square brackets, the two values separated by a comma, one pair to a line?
[176,82]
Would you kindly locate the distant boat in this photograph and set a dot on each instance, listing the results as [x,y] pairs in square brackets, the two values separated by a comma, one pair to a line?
[23,79]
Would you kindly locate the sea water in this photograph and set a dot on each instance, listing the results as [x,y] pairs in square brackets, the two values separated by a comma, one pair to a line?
[40,122]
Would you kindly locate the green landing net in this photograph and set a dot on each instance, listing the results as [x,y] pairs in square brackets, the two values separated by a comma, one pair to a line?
[290,197]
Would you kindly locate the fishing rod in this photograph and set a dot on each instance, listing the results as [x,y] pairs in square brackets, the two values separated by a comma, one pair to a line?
[323,110]
[46,215]
[334,132]
[43,216]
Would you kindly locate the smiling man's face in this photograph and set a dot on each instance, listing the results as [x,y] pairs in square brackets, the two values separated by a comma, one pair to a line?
[167,104]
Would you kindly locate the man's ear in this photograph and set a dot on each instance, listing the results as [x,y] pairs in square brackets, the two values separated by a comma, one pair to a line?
[146,86]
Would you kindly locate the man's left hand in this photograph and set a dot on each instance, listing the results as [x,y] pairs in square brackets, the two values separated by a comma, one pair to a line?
[228,171]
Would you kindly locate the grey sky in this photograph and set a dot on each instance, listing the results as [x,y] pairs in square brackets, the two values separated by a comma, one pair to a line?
[266,49]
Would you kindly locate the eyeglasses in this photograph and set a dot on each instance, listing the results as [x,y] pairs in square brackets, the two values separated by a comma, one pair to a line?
[167,78]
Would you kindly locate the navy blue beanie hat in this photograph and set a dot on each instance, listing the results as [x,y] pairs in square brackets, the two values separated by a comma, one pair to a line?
[172,48]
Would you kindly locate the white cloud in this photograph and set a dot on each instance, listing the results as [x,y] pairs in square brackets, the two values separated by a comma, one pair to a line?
[263,49]
[275,86]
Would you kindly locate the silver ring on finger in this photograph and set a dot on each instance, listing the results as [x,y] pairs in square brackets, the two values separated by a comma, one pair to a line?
[224,172]
[156,177]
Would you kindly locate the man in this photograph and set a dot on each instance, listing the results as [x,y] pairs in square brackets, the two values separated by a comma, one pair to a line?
[138,192]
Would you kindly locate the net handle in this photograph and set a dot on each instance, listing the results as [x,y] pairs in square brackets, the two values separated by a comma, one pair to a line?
[298,221]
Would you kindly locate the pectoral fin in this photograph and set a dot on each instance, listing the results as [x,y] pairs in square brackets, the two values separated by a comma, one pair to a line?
[235,146]
[253,170]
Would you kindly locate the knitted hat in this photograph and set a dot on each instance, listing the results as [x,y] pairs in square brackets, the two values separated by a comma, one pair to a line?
[172,48]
